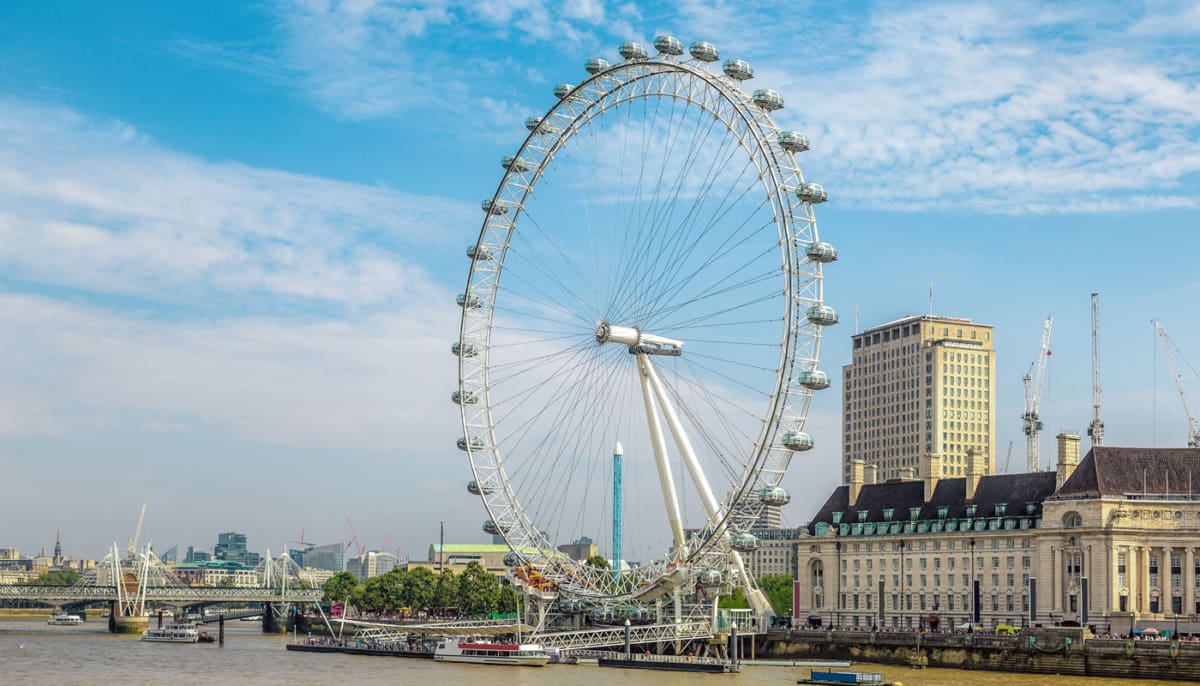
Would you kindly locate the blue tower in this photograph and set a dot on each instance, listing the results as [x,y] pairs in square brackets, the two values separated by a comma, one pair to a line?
[618,453]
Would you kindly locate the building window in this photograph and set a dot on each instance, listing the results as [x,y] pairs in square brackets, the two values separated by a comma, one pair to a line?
[1073,520]
[1121,570]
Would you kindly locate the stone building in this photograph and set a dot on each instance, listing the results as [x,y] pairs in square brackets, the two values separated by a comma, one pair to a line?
[1108,541]
[918,385]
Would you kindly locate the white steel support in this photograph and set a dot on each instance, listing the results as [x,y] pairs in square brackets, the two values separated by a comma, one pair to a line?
[665,478]
[756,598]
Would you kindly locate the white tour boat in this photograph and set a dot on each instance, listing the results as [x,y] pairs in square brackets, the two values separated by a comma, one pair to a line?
[454,649]
[172,633]
[64,619]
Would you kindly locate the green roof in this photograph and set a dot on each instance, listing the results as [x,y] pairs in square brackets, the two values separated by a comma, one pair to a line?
[470,548]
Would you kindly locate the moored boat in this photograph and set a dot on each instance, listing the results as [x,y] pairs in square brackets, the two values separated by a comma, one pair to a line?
[833,677]
[172,633]
[454,649]
[65,619]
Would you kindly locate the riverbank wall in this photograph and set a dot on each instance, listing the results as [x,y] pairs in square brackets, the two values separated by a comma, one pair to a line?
[1040,651]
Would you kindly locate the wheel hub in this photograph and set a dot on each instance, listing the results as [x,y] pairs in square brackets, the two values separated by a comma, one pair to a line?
[639,342]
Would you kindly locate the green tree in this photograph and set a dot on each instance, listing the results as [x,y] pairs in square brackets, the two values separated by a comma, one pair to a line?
[341,588]
[420,587]
[778,589]
[508,600]
[445,593]
[478,591]
[598,562]
[64,578]
[382,593]
[734,601]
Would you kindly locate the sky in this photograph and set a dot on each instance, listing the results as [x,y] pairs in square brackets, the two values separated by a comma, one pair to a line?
[231,233]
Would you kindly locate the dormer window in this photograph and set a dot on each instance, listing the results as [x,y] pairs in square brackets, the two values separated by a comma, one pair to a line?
[1000,508]
[837,517]
[970,510]
[1030,507]
[887,514]
[913,513]
[862,515]
[943,511]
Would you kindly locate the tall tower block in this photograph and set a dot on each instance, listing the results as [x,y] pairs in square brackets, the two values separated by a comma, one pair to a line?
[618,454]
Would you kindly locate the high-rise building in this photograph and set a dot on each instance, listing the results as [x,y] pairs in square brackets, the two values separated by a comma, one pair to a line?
[918,385]
[232,546]
[369,564]
[329,557]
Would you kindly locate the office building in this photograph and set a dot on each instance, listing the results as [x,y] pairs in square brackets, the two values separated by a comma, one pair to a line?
[918,385]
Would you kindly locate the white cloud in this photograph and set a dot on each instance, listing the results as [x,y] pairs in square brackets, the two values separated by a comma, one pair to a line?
[99,208]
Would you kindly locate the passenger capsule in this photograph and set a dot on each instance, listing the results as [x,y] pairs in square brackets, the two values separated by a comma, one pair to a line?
[709,577]
[739,70]
[476,443]
[474,488]
[822,315]
[463,349]
[811,193]
[821,252]
[767,99]
[532,123]
[776,495]
[797,440]
[490,527]
[479,251]
[597,65]
[743,543]
[514,163]
[814,379]
[511,560]
[471,300]
[704,51]
[464,398]
[793,141]
[668,45]
[562,90]
[632,51]
[494,206]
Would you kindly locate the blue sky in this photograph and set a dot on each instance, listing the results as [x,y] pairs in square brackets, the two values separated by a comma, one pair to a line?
[231,233]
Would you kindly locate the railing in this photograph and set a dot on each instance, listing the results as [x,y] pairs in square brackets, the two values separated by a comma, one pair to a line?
[601,638]
[174,593]
[647,657]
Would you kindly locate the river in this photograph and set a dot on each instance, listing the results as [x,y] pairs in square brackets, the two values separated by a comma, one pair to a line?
[31,652]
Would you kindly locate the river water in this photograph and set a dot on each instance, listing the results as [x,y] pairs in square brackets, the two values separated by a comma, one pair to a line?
[31,652]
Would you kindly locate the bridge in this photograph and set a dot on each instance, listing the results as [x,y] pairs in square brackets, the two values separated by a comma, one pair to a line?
[129,583]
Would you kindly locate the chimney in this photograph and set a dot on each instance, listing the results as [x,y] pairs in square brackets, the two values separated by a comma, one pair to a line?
[974,471]
[1068,457]
[931,471]
[856,480]
[871,474]
[907,474]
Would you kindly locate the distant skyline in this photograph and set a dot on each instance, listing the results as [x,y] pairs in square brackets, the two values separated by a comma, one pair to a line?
[231,233]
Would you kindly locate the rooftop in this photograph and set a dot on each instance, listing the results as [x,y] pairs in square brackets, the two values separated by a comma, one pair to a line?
[1142,472]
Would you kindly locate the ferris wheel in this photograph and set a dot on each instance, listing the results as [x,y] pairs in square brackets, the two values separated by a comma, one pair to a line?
[648,272]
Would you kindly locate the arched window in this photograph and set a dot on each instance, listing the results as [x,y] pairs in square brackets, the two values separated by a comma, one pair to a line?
[1072,520]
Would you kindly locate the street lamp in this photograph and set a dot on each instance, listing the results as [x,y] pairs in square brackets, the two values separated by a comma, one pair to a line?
[971,621]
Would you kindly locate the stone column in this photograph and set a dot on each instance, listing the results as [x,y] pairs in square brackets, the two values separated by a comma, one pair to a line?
[1144,579]
[1189,581]
[1055,582]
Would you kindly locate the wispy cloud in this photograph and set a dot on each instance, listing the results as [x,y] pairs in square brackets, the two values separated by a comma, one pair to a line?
[986,106]
[96,207]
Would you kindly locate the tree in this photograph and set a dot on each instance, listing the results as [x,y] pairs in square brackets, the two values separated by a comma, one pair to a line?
[341,588]
[509,601]
[67,577]
[420,587]
[598,562]
[478,591]
[734,601]
[445,592]
[383,592]
[778,589]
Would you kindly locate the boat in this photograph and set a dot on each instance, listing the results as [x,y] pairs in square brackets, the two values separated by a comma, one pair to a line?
[172,633]
[481,652]
[64,619]
[832,677]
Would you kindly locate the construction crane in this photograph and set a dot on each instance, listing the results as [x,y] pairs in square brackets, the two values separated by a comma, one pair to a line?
[358,547]
[1008,458]
[1032,423]
[137,533]
[1168,347]
[1096,430]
